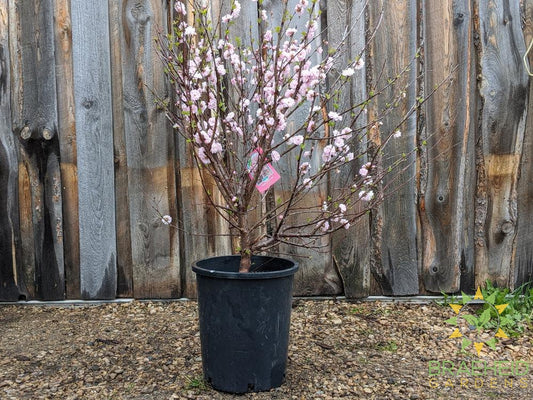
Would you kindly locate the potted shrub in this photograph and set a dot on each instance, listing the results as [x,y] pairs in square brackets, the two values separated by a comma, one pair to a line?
[247,110]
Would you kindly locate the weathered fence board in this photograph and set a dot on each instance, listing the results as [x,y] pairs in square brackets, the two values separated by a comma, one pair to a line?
[397,217]
[446,202]
[503,90]
[149,149]
[316,274]
[67,146]
[11,279]
[122,214]
[94,133]
[523,261]
[35,124]
[351,248]
[199,223]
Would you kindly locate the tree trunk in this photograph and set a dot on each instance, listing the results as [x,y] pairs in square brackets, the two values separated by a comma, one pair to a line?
[246,261]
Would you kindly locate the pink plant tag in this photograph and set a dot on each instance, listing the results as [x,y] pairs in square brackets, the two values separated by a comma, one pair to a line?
[268,176]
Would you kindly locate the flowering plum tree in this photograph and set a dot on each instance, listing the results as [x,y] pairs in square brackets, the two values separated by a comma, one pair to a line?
[233,104]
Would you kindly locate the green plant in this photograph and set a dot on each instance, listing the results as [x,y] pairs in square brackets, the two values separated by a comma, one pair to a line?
[519,311]
[499,308]
[197,383]
[391,346]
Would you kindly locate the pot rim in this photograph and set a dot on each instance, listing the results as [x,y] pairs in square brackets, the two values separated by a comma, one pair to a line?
[213,273]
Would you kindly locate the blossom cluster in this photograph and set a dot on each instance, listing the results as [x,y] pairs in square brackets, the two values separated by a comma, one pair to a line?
[235,98]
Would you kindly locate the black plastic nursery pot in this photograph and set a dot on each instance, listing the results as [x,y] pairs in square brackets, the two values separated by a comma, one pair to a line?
[244,321]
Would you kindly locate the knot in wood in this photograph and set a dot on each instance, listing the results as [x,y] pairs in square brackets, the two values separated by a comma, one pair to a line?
[25,133]
[458,19]
[507,227]
[47,134]
[88,103]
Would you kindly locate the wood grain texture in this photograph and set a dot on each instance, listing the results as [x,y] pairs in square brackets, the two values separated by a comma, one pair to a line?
[446,201]
[11,278]
[35,123]
[67,146]
[200,225]
[395,256]
[94,133]
[149,151]
[316,273]
[351,248]
[503,91]
[523,261]
[80,201]
[122,216]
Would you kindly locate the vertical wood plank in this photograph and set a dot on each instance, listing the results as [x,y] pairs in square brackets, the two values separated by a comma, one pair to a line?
[94,125]
[351,248]
[524,231]
[35,122]
[122,209]
[446,201]
[200,224]
[317,273]
[394,47]
[149,151]
[10,272]
[503,91]
[67,146]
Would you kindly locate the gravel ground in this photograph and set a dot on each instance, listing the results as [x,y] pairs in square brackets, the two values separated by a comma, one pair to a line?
[339,349]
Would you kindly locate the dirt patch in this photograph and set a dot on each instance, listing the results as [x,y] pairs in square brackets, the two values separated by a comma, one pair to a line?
[151,350]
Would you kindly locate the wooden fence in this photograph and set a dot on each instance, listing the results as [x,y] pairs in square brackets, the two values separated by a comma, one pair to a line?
[87,159]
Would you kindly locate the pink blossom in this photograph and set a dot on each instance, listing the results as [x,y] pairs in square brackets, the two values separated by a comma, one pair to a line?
[287,102]
[345,223]
[348,72]
[296,140]
[275,156]
[308,183]
[190,31]
[342,207]
[328,153]
[310,95]
[220,67]
[236,10]
[345,133]
[300,7]
[270,121]
[195,95]
[334,116]
[397,133]
[291,31]
[203,156]
[282,122]
[216,147]
[359,64]
[267,37]
[304,168]
[180,8]
[166,219]
[366,195]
